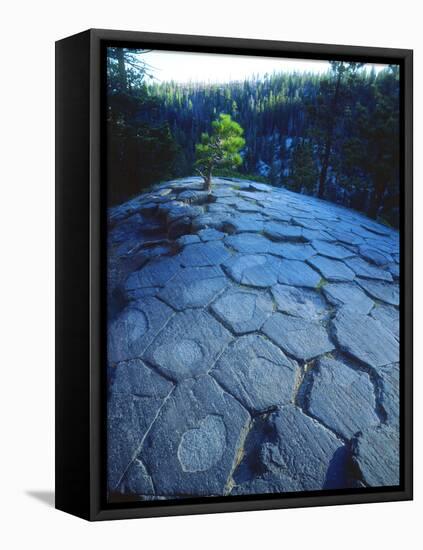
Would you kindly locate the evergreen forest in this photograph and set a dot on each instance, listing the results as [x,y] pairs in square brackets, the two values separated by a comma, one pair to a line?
[334,135]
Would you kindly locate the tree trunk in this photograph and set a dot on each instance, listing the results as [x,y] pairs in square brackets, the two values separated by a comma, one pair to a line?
[329,138]
[121,69]
[325,166]
[208,183]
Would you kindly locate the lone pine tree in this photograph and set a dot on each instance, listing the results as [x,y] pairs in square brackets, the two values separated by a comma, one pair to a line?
[219,149]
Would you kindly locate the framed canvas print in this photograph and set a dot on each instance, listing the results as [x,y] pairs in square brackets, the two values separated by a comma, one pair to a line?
[234,274]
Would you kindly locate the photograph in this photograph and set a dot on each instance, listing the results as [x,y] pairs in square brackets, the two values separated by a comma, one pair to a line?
[210,238]
[253,274]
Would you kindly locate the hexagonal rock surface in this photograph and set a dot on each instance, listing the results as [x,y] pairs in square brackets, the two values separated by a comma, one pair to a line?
[376,453]
[299,302]
[388,316]
[136,480]
[394,270]
[345,237]
[227,312]
[243,224]
[296,273]
[293,251]
[375,256]
[137,394]
[258,270]
[299,457]
[342,398]
[188,345]
[193,287]
[365,338]
[331,250]
[332,270]
[282,232]
[250,243]
[210,235]
[385,292]
[389,386]
[188,239]
[156,273]
[191,448]
[348,295]
[364,269]
[202,254]
[298,337]
[256,372]
[135,328]
[242,310]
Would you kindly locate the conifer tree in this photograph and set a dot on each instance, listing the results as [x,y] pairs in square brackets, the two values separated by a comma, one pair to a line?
[304,173]
[220,148]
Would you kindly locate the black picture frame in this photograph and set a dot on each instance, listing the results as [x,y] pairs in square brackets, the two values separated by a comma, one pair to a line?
[80,274]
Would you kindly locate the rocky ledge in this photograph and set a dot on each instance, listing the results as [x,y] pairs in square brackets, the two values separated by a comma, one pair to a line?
[253,344]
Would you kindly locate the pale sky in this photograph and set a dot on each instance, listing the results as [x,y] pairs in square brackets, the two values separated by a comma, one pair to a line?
[200,67]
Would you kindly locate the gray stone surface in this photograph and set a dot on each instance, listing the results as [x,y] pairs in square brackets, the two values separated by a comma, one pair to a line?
[282,231]
[383,245]
[250,243]
[348,295]
[385,292]
[177,210]
[137,394]
[253,333]
[203,446]
[259,270]
[296,273]
[364,269]
[344,237]
[376,453]
[388,316]
[374,255]
[308,222]
[299,457]
[394,270]
[298,337]
[191,448]
[317,234]
[207,220]
[300,302]
[293,251]
[135,328]
[374,227]
[246,223]
[365,338]
[332,270]
[193,287]
[267,483]
[242,310]
[389,393]
[342,398]
[203,254]
[276,214]
[257,373]
[210,235]
[188,239]
[331,250]
[156,273]
[136,481]
[188,345]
